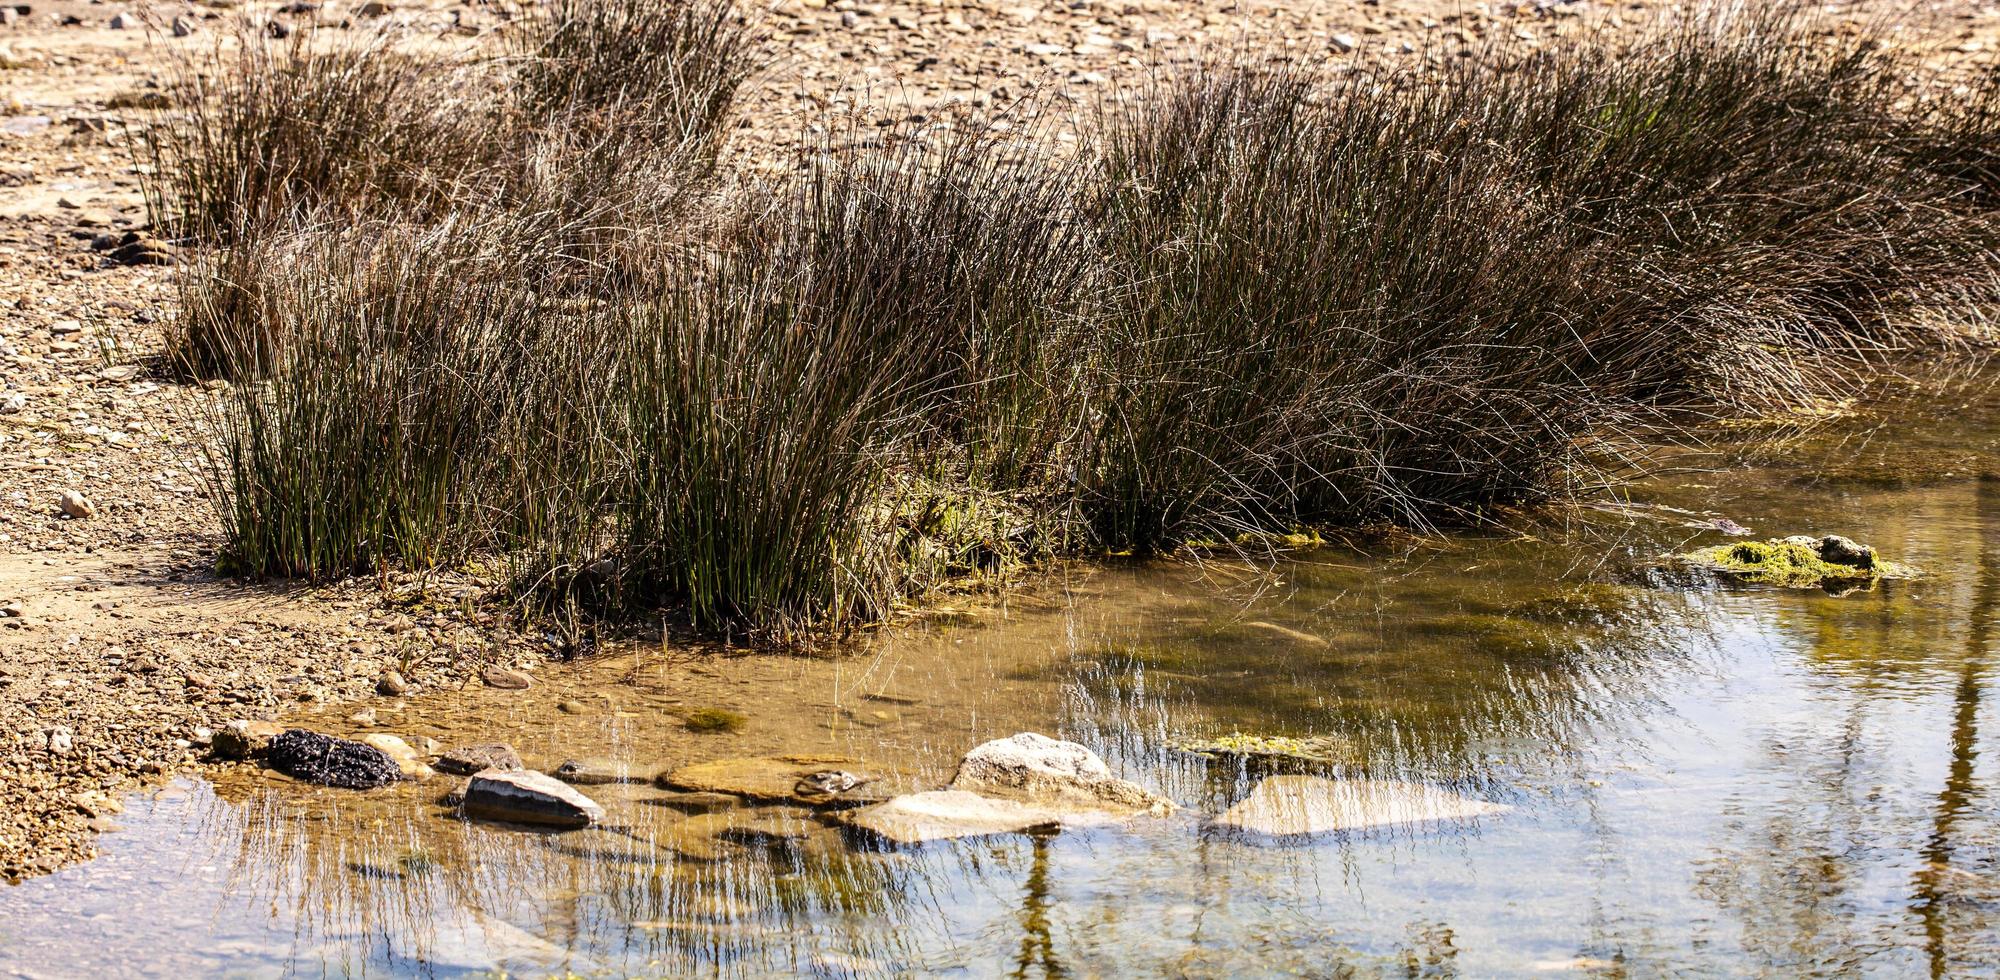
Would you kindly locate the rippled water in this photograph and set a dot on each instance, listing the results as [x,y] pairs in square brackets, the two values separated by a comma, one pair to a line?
[1703,779]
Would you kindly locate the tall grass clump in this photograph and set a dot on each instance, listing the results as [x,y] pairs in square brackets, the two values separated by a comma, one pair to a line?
[367,439]
[1756,173]
[1337,307]
[670,69]
[269,132]
[812,398]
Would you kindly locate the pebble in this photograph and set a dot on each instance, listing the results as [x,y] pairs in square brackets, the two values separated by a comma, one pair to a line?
[75,505]
[392,684]
[506,679]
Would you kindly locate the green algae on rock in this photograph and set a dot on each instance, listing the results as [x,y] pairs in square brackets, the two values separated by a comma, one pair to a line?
[1240,745]
[1798,562]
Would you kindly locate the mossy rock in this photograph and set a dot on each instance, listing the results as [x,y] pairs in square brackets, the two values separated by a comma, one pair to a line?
[1321,749]
[1798,562]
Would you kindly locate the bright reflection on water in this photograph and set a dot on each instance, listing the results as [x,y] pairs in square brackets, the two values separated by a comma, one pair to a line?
[1701,780]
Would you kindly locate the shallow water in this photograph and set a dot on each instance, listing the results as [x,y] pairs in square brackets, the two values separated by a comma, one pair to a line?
[1702,779]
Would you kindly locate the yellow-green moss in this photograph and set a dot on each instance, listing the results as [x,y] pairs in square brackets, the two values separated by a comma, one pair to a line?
[1317,748]
[1787,563]
[714,720]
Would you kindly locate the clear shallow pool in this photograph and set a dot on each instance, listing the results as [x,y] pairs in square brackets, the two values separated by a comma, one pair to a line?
[1703,780]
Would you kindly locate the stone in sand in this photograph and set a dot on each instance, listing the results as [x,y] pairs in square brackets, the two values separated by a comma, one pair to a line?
[1049,772]
[521,796]
[330,761]
[468,759]
[75,505]
[1286,806]
[245,739]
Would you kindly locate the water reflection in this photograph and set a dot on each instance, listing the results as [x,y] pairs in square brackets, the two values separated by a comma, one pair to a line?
[1700,778]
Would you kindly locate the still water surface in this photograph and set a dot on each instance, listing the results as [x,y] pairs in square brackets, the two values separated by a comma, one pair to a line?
[1703,779]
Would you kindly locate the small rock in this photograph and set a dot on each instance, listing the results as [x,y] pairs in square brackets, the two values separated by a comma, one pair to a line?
[1343,43]
[122,21]
[596,772]
[405,755]
[139,248]
[75,505]
[573,707]
[374,8]
[520,796]
[245,739]
[61,740]
[330,761]
[506,679]
[468,759]
[183,27]
[13,610]
[392,685]
[1290,806]
[13,404]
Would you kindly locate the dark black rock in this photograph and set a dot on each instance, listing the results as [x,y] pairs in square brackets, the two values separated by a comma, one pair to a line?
[331,761]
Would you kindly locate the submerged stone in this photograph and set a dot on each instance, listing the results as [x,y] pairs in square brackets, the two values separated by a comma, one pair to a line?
[1799,562]
[1038,769]
[330,761]
[713,836]
[1288,806]
[468,759]
[596,772]
[714,720]
[821,781]
[697,802]
[521,796]
[1326,749]
[948,814]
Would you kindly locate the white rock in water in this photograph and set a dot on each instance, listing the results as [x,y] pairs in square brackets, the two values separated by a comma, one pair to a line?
[524,796]
[1046,771]
[947,814]
[1297,805]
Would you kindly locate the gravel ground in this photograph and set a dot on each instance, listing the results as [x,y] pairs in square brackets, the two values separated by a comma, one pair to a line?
[120,649]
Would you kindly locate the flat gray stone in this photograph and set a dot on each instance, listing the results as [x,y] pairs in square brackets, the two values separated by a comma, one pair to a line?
[521,796]
[1287,806]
